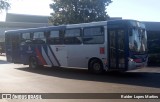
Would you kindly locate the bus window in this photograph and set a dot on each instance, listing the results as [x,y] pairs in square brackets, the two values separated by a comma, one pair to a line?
[73,36]
[39,38]
[54,34]
[93,35]
[26,38]
[54,38]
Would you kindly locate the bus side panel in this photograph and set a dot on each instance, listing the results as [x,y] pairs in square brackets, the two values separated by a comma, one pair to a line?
[37,51]
[26,52]
[79,55]
[40,52]
[58,55]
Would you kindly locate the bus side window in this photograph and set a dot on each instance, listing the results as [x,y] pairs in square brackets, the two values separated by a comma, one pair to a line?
[94,35]
[26,38]
[39,38]
[73,36]
[54,38]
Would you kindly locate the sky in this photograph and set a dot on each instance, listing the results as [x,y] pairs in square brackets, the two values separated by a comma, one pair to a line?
[142,10]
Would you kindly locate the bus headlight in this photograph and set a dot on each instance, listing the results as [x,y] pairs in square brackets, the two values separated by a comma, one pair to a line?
[130,59]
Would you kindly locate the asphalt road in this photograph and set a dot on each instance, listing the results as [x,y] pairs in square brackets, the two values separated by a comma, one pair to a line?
[21,79]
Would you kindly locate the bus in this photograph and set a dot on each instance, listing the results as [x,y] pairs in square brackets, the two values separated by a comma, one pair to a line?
[153,35]
[116,45]
[2,48]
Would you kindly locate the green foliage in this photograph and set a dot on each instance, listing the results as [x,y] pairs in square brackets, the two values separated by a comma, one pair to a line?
[4,5]
[78,11]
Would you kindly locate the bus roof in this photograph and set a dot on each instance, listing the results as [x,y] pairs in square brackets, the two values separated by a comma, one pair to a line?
[36,29]
[152,26]
[121,21]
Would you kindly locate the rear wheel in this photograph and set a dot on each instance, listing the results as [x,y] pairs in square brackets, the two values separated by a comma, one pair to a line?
[33,63]
[95,66]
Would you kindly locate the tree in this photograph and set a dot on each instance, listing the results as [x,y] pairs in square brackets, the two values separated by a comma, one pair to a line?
[78,11]
[4,5]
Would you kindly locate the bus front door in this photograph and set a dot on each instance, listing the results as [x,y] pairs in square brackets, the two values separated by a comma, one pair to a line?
[116,42]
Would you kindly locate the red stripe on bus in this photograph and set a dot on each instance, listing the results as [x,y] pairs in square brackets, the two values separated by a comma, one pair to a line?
[40,57]
[101,50]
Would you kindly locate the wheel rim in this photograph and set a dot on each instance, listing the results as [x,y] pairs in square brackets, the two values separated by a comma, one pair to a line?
[33,63]
[96,66]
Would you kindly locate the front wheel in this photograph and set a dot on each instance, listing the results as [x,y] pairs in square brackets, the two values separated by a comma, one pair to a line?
[96,66]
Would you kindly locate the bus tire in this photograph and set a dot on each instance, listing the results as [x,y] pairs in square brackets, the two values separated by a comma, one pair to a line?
[95,66]
[33,63]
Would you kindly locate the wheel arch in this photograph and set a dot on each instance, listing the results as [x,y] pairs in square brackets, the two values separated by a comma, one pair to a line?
[32,56]
[94,58]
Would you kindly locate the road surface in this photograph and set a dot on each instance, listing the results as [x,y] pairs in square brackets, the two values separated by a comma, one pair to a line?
[21,79]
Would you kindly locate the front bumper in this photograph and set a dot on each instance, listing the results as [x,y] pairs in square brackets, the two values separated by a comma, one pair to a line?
[133,65]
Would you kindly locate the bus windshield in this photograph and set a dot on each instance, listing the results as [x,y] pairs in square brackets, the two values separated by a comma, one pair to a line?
[138,40]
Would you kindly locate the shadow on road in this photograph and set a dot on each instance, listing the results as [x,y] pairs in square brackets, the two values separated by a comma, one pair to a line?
[146,79]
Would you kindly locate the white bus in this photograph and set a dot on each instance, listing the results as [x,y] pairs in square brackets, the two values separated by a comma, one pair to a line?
[118,45]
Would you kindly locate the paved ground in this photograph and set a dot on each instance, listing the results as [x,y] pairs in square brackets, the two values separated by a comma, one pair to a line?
[21,79]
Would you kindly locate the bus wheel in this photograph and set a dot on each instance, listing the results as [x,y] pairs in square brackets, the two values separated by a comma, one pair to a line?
[33,63]
[95,66]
